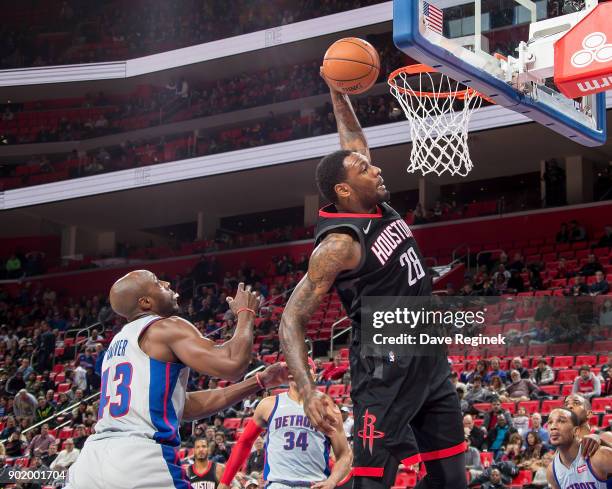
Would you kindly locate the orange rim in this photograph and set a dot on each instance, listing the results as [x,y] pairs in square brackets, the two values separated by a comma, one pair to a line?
[418,69]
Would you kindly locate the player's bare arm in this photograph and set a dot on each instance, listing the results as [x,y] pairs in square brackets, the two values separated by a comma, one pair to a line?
[550,477]
[337,252]
[351,134]
[202,404]
[219,471]
[601,463]
[344,457]
[173,339]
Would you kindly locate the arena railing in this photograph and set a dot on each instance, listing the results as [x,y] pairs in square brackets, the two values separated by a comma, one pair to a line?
[456,256]
[482,252]
[337,335]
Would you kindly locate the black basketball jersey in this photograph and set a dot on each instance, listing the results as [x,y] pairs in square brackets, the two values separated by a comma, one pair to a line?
[391,263]
[203,480]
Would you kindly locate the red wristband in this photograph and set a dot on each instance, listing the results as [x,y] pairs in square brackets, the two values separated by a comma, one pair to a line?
[259,382]
[243,309]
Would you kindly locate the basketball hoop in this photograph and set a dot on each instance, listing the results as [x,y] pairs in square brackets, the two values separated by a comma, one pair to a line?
[439,132]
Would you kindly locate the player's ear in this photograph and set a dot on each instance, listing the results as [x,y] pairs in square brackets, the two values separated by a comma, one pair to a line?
[145,303]
[343,190]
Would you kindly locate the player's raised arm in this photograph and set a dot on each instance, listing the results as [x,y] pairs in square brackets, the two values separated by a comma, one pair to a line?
[601,463]
[351,134]
[201,404]
[336,253]
[187,344]
[343,455]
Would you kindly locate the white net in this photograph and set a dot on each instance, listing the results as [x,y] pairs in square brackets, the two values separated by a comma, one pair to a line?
[439,111]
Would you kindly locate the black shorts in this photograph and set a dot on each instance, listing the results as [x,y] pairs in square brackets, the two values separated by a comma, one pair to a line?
[406,410]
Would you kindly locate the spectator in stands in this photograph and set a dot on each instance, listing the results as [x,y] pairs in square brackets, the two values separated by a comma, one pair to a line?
[79,376]
[606,368]
[496,412]
[45,347]
[100,352]
[15,445]
[495,371]
[517,364]
[513,449]
[497,387]
[477,393]
[500,284]
[521,421]
[472,458]
[257,457]
[576,232]
[535,279]
[80,436]
[13,267]
[25,405]
[94,338]
[536,425]
[543,374]
[482,366]
[515,283]
[579,287]
[25,369]
[222,448]
[39,446]
[475,433]
[43,410]
[591,266]
[88,358]
[520,389]
[554,179]
[11,425]
[563,236]
[347,421]
[606,240]
[600,286]
[498,436]
[533,449]
[587,384]
[66,457]
[562,270]
[518,263]
[336,370]
[51,455]
[62,402]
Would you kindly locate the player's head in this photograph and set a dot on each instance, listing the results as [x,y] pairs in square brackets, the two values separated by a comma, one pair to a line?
[200,449]
[141,291]
[563,427]
[348,178]
[580,406]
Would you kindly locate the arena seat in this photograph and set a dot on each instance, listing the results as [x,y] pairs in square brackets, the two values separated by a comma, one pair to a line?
[530,406]
[509,406]
[524,477]
[563,362]
[232,423]
[336,390]
[486,458]
[590,360]
[549,405]
[606,421]
[566,389]
[566,376]
[601,404]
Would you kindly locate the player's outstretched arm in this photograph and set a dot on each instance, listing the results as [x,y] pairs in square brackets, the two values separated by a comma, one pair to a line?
[336,253]
[201,404]
[351,134]
[601,463]
[242,448]
[175,338]
[344,458]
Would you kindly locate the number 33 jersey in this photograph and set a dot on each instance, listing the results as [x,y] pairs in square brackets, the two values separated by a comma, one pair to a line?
[140,396]
[391,263]
[295,453]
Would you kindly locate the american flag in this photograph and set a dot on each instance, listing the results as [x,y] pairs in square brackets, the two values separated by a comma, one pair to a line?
[433,17]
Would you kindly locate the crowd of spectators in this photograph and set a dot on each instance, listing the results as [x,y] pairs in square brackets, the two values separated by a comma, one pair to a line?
[84,31]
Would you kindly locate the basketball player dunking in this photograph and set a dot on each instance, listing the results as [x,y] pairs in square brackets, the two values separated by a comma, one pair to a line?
[143,395]
[296,454]
[203,473]
[570,468]
[406,408]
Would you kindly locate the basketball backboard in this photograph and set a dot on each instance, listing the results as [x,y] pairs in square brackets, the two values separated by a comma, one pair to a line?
[485,44]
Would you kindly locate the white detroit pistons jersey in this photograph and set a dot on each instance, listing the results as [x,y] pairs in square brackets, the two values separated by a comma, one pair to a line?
[578,475]
[295,452]
[140,396]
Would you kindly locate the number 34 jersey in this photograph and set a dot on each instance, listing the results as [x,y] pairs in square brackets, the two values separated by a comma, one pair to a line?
[391,263]
[140,396]
[295,453]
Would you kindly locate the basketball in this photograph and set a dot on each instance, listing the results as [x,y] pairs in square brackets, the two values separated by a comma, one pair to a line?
[351,65]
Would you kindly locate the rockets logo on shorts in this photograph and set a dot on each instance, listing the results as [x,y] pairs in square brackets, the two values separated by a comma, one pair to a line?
[369,433]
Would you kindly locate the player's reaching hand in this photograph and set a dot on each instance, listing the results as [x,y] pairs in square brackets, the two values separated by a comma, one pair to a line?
[245,299]
[275,375]
[326,484]
[321,411]
[590,445]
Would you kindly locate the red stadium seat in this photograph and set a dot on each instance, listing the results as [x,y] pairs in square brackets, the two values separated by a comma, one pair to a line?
[344,353]
[232,423]
[486,458]
[552,389]
[601,404]
[58,367]
[530,406]
[524,477]
[590,360]
[336,390]
[606,421]
[566,389]
[482,406]
[509,406]
[269,359]
[549,405]
[65,433]
[65,387]
[563,362]
[566,376]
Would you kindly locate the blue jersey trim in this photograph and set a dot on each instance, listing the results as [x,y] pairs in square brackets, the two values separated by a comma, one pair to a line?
[588,461]
[326,470]
[162,382]
[555,470]
[269,423]
[169,453]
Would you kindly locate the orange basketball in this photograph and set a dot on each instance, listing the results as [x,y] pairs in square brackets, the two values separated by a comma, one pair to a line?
[351,65]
